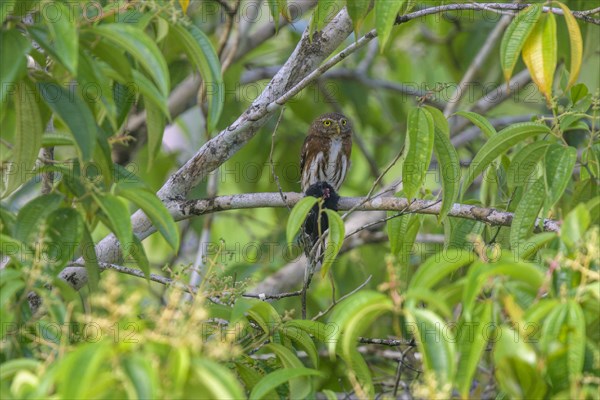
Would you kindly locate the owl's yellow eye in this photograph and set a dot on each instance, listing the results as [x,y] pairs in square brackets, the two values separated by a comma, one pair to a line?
[327,122]
[344,122]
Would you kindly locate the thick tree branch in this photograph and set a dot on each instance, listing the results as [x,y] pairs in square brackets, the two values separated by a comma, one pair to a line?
[489,216]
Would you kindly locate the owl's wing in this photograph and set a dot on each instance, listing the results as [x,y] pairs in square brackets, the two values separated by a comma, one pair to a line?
[304,152]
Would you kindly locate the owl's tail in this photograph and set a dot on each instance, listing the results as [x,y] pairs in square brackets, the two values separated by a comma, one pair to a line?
[317,223]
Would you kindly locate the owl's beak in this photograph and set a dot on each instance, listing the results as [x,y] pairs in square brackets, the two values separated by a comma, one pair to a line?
[338,129]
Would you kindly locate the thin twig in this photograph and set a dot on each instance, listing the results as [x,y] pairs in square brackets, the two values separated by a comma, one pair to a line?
[334,303]
[275,177]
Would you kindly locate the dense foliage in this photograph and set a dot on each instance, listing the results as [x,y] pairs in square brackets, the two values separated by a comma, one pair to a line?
[496,296]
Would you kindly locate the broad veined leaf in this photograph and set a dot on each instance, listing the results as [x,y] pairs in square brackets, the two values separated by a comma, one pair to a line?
[297,217]
[402,232]
[27,141]
[438,266]
[142,376]
[528,249]
[250,376]
[471,346]
[14,47]
[203,55]
[74,112]
[563,339]
[434,300]
[95,88]
[31,215]
[63,34]
[323,13]
[357,10]
[265,316]
[277,7]
[81,364]
[560,161]
[420,136]
[117,213]
[576,43]
[434,343]
[479,273]
[522,169]
[136,250]
[385,16]
[540,54]
[217,381]
[320,331]
[303,340]
[576,223]
[335,239]
[155,210]
[515,362]
[301,386]
[156,122]
[500,143]
[449,164]
[515,36]
[88,252]
[479,121]
[354,314]
[141,47]
[279,377]
[526,213]
[64,228]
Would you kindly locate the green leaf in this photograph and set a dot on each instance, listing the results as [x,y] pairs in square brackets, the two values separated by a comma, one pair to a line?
[74,112]
[155,210]
[141,375]
[274,9]
[304,341]
[297,217]
[420,136]
[576,223]
[301,386]
[88,252]
[136,250]
[560,161]
[385,16]
[526,250]
[279,377]
[479,274]
[323,13]
[438,266]
[63,34]
[64,228]
[498,144]
[433,299]
[141,47]
[435,345]
[515,36]
[357,10]
[27,140]
[79,370]
[150,92]
[353,315]
[479,121]
[540,54]
[14,47]
[402,232]
[203,55]
[117,213]
[523,165]
[32,214]
[576,43]
[156,122]
[320,331]
[217,381]
[526,213]
[449,165]
[95,88]
[263,313]
[335,240]
[515,363]
[472,347]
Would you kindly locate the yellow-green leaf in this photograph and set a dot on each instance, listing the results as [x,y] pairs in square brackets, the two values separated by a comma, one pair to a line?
[335,239]
[385,16]
[515,36]
[539,54]
[297,216]
[576,43]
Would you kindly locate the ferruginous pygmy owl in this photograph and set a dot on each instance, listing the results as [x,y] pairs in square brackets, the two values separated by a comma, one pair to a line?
[326,151]
[324,163]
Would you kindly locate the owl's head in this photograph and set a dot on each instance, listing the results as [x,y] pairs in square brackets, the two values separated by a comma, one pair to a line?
[332,124]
